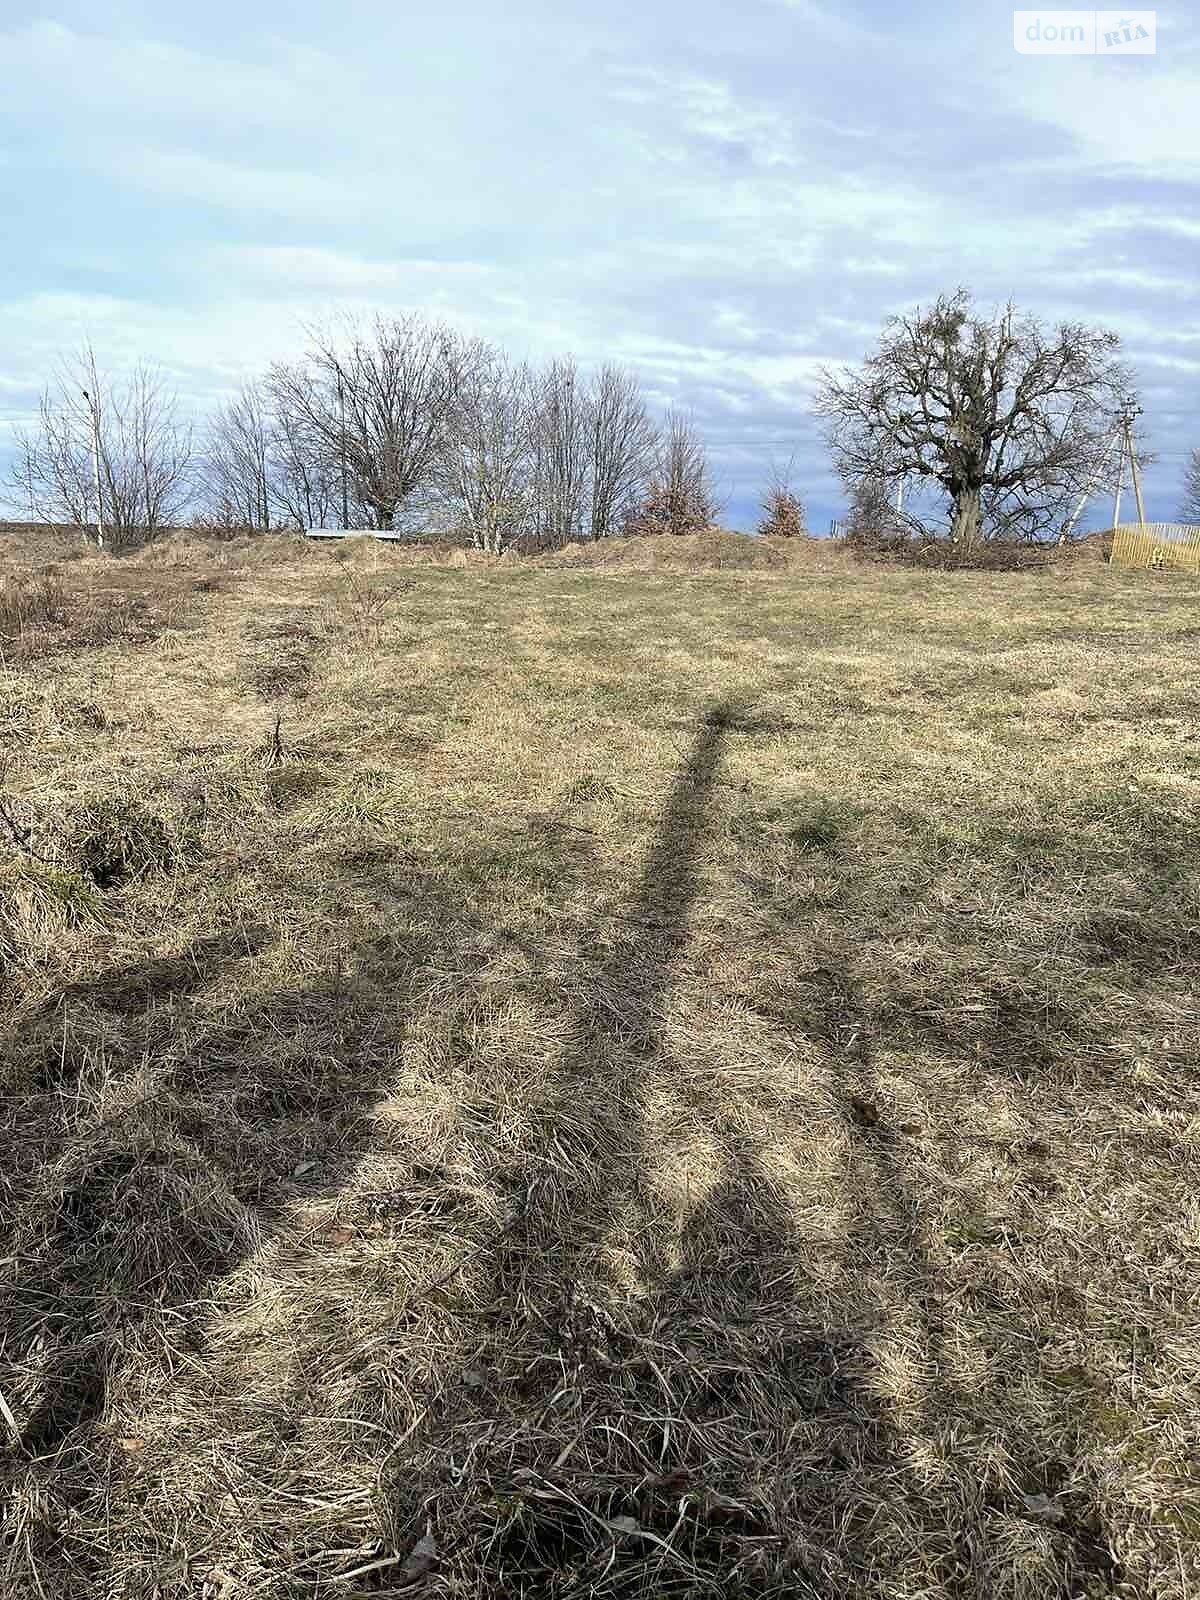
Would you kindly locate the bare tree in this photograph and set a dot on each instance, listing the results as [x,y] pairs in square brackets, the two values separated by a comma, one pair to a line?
[111,453]
[561,444]
[263,466]
[305,483]
[56,470]
[1007,422]
[377,399]
[873,518]
[680,498]
[622,448]
[488,466]
[1190,510]
[237,468]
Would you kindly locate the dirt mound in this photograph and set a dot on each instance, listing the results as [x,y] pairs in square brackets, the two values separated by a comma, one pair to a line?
[366,551]
[715,550]
[1094,549]
[30,545]
[989,555]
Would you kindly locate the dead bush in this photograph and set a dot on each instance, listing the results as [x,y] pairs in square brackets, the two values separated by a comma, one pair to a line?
[986,555]
[115,840]
[31,603]
[878,544]
[365,609]
[680,497]
[946,555]
[783,515]
[669,509]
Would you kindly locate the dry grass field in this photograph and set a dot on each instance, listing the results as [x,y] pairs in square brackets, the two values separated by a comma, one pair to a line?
[564,1079]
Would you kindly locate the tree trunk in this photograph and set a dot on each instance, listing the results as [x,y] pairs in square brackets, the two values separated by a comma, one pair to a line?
[964,523]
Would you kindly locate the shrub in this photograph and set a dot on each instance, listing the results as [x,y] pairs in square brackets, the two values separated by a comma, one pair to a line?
[946,555]
[668,510]
[227,525]
[680,498]
[783,515]
[986,555]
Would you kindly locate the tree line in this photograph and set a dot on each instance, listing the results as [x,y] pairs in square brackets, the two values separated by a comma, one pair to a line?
[396,423]
[996,425]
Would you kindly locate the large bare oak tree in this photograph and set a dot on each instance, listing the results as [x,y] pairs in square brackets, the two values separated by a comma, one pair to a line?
[1004,420]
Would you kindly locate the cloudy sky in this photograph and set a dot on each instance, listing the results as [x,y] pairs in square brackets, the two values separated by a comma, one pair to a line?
[725,197]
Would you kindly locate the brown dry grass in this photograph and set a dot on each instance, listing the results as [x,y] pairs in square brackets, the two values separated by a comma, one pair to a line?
[713,551]
[28,604]
[607,1084]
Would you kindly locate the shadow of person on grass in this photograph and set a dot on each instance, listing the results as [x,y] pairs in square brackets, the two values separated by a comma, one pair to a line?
[662,1402]
[660,1396]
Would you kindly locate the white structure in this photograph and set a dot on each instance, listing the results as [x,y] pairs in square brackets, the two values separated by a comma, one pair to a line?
[355,533]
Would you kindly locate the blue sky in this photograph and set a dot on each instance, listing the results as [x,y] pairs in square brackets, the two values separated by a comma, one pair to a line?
[725,197]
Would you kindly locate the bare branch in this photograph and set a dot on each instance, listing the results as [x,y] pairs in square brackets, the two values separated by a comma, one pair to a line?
[1190,509]
[489,457]
[623,447]
[562,445]
[380,398]
[1003,421]
[106,451]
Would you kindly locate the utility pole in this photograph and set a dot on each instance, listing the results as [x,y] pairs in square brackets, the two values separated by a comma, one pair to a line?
[900,495]
[1135,411]
[1091,484]
[342,443]
[94,413]
[1120,478]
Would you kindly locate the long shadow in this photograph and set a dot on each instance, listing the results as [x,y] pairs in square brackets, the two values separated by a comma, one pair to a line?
[206,1121]
[645,1333]
[536,1299]
[813,1489]
[705,1301]
[616,1024]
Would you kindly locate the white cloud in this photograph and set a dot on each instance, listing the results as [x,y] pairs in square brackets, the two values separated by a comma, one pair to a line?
[126,78]
[708,107]
[1146,119]
[719,196]
[261,191]
[335,272]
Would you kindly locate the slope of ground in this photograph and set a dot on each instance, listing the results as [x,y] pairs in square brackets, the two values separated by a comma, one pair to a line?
[521,1081]
[713,551]
[24,545]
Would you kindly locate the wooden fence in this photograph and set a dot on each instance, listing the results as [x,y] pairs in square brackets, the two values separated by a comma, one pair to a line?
[1156,544]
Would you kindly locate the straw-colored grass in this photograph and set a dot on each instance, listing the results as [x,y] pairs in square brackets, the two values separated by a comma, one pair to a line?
[29,603]
[525,1080]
